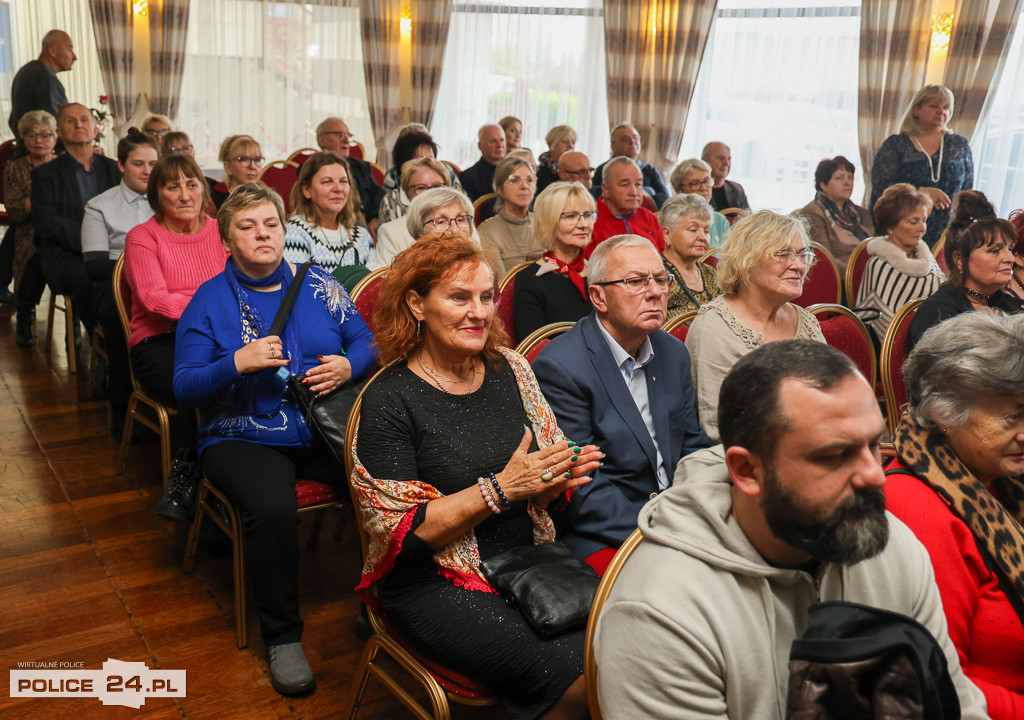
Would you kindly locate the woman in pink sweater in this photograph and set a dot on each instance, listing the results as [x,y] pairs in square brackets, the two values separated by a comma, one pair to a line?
[166,259]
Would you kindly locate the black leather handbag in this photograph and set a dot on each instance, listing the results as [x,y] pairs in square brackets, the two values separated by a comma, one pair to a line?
[549,583]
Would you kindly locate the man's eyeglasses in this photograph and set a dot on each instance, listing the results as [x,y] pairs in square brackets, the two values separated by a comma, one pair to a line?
[342,135]
[441,224]
[38,136]
[787,256]
[183,148]
[638,285]
[417,189]
[250,161]
[574,217]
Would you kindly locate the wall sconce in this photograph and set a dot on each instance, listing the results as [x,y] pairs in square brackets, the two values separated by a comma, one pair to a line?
[942,28]
[405,22]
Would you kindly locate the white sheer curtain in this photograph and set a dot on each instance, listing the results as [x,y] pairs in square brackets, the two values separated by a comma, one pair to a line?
[541,61]
[272,70]
[29,21]
[779,86]
[998,141]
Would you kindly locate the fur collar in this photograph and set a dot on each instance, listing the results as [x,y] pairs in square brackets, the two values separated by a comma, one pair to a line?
[918,266]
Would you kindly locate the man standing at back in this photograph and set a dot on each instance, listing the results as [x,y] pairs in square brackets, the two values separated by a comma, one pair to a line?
[618,208]
[478,179]
[788,512]
[36,86]
[333,136]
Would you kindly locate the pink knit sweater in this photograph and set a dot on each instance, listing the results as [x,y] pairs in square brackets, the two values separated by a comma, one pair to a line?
[164,270]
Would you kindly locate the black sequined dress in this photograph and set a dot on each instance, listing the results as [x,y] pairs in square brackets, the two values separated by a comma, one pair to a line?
[409,430]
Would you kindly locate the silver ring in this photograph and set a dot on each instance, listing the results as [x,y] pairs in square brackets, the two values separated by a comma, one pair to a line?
[548,476]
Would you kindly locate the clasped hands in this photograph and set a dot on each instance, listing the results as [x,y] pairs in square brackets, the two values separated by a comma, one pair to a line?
[267,352]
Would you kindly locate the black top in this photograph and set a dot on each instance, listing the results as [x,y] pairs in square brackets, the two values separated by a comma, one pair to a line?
[478,179]
[947,302]
[370,193]
[550,298]
[35,87]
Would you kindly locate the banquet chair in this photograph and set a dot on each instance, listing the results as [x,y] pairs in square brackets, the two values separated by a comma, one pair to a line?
[894,352]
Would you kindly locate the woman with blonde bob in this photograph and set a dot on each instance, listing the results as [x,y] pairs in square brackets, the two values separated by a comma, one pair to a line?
[508,237]
[243,159]
[927,154]
[553,289]
[761,271]
[560,139]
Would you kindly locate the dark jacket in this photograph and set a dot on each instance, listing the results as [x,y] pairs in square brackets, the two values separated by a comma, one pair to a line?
[735,197]
[57,204]
[947,302]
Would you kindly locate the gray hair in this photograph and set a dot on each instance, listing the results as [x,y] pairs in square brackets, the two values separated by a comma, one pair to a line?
[606,171]
[679,206]
[597,266]
[34,118]
[323,123]
[623,125]
[503,171]
[685,168]
[961,361]
[430,200]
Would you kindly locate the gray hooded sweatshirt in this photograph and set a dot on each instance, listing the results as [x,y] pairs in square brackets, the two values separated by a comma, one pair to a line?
[699,625]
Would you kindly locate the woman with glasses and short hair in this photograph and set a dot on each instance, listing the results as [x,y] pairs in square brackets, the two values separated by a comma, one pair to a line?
[762,270]
[694,176]
[243,162]
[508,237]
[686,223]
[553,289]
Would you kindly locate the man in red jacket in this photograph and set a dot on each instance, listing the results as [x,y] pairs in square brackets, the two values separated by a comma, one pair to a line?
[618,208]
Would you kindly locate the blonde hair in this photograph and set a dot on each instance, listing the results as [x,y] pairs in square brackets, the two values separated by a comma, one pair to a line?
[558,132]
[156,117]
[909,124]
[234,144]
[549,206]
[411,167]
[751,241]
[34,118]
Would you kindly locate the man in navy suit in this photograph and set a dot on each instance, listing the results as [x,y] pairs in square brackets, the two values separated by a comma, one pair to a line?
[618,381]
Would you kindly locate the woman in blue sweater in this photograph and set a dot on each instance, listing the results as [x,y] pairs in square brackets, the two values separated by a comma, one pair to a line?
[253,440]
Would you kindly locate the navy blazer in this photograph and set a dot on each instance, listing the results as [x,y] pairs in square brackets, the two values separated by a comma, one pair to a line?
[591,401]
[57,205]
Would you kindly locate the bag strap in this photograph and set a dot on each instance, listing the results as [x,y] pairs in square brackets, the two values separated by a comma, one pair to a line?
[289,299]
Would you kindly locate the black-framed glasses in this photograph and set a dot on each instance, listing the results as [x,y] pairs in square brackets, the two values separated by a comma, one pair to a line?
[441,224]
[38,136]
[706,182]
[575,217]
[639,284]
[250,161]
[183,148]
[417,189]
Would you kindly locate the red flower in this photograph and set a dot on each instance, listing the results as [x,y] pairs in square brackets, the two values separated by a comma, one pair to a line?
[104,99]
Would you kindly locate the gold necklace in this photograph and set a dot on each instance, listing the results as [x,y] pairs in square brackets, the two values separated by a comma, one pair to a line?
[437,377]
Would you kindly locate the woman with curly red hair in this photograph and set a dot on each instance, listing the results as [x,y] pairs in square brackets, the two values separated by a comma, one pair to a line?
[458,458]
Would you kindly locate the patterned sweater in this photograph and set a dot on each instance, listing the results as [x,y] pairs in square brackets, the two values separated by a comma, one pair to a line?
[304,241]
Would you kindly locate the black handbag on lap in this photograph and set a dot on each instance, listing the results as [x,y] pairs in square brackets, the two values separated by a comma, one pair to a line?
[549,583]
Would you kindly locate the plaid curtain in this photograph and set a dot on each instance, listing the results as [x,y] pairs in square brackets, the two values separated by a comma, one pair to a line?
[168,28]
[980,41]
[112,26]
[431,20]
[895,37]
[378,21]
[627,34]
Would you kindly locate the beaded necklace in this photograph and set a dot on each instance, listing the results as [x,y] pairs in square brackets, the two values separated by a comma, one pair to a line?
[933,172]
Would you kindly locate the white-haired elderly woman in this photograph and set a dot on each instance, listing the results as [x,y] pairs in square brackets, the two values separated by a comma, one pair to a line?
[560,139]
[694,176]
[553,289]
[958,483]
[686,222]
[508,238]
[430,201]
[927,154]
[761,271]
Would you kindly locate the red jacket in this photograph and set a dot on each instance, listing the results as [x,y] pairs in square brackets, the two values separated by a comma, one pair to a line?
[643,222]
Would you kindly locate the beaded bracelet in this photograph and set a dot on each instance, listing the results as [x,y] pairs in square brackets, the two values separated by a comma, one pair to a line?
[505,504]
[485,490]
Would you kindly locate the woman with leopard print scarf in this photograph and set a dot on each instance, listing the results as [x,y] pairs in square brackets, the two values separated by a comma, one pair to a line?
[958,483]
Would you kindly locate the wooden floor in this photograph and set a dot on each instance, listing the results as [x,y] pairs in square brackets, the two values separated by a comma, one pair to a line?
[88,572]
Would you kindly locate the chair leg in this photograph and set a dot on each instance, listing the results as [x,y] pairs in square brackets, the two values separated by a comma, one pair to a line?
[69,334]
[192,543]
[238,554]
[126,434]
[315,528]
[49,317]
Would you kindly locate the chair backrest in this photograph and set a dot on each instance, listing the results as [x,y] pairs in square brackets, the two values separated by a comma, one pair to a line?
[356,150]
[483,208]
[939,251]
[453,166]
[377,172]
[536,341]
[855,271]
[123,302]
[603,591]
[6,154]
[679,325]
[366,292]
[845,331]
[506,289]
[733,214]
[894,352]
[822,284]
[302,155]
[711,257]
[648,203]
[281,175]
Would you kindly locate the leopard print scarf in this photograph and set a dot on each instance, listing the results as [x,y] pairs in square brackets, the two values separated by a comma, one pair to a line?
[998,527]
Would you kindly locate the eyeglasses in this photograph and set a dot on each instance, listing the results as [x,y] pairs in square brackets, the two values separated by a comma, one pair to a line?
[38,136]
[583,171]
[638,285]
[515,181]
[183,148]
[250,161]
[441,224]
[158,134]
[575,217]
[342,135]
[706,182]
[417,189]
[787,256]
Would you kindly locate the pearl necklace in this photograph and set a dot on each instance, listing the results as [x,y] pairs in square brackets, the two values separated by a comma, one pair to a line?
[437,377]
[935,174]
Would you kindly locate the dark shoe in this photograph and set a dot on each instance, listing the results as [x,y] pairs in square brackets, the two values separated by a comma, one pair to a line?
[290,673]
[6,297]
[99,382]
[25,326]
[364,630]
[177,502]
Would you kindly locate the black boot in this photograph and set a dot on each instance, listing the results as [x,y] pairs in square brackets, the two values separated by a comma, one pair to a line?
[177,502]
[25,326]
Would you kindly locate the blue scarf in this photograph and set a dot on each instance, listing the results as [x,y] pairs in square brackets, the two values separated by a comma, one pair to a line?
[261,393]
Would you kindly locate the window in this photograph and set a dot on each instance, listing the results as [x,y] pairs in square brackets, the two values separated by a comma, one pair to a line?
[541,63]
[779,86]
[998,143]
[272,70]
